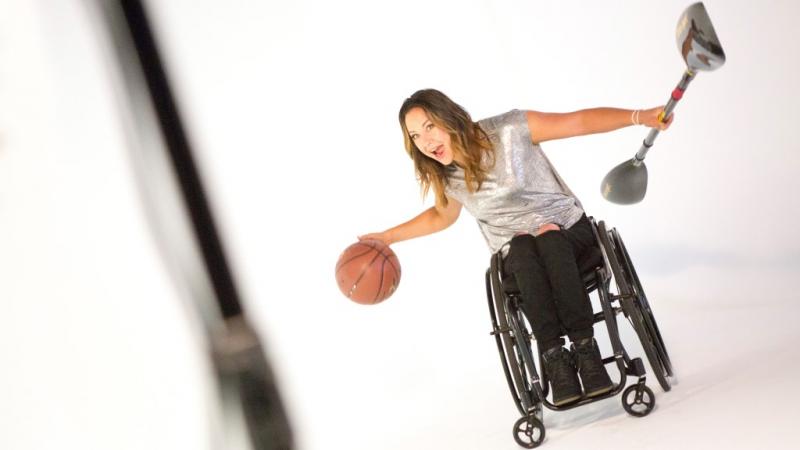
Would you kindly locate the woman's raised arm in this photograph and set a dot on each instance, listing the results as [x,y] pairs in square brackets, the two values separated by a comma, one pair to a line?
[549,126]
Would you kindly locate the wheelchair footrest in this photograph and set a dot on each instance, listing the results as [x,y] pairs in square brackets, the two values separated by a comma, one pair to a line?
[636,368]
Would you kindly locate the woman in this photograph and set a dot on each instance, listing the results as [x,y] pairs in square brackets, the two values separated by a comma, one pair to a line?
[496,169]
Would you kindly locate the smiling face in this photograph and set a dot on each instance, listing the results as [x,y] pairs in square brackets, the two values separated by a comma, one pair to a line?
[431,140]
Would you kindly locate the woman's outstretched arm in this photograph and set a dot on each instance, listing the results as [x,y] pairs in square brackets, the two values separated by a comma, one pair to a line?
[433,219]
[549,126]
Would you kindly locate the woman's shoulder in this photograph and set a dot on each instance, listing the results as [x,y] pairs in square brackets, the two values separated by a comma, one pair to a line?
[514,117]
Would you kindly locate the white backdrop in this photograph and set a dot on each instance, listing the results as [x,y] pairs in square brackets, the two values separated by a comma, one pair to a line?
[292,109]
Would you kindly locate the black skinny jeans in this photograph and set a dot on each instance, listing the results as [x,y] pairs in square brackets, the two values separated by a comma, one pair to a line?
[553,295]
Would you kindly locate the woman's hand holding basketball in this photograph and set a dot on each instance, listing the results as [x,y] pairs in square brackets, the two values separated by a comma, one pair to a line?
[382,236]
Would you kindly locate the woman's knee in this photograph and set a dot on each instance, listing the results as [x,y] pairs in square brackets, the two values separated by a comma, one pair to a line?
[522,250]
[522,243]
[552,241]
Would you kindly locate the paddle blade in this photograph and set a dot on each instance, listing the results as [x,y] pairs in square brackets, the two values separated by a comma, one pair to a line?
[697,40]
[625,184]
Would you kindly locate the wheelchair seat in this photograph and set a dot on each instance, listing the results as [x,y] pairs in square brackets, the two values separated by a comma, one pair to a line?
[588,263]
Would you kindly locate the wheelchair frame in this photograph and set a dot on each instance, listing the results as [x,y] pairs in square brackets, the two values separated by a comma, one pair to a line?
[514,338]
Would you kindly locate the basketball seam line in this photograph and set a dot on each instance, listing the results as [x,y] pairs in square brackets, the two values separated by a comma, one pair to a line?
[380,285]
[389,256]
[363,271]
[344,263]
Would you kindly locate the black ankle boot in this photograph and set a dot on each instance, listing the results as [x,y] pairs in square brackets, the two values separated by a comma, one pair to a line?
[561,372]
[591,368]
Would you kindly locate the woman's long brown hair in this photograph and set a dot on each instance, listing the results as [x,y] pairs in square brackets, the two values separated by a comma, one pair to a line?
[467,140]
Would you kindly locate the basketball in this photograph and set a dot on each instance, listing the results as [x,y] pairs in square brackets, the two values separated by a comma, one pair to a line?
[368,272]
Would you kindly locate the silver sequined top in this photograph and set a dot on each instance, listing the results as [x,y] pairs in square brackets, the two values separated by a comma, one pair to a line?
[522,190]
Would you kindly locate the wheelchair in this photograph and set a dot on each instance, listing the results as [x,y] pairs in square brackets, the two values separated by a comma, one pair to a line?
[607,270]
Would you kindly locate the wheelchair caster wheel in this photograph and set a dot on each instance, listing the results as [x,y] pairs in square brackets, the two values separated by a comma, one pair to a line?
[638,400]
[529,431]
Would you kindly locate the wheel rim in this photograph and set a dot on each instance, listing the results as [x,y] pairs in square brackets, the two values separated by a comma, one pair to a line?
[648,335]
[638,401]
[649,318]
[529,432]
[516,377]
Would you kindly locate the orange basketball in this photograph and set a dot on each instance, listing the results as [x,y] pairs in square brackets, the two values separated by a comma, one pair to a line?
[368,272]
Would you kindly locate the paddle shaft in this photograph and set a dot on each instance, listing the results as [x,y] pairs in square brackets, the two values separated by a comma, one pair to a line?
[677,94]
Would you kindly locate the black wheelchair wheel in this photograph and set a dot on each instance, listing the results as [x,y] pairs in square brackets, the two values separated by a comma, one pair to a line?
[638,400]
[631,307]
[647,312]
[510,345]
[529,432]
